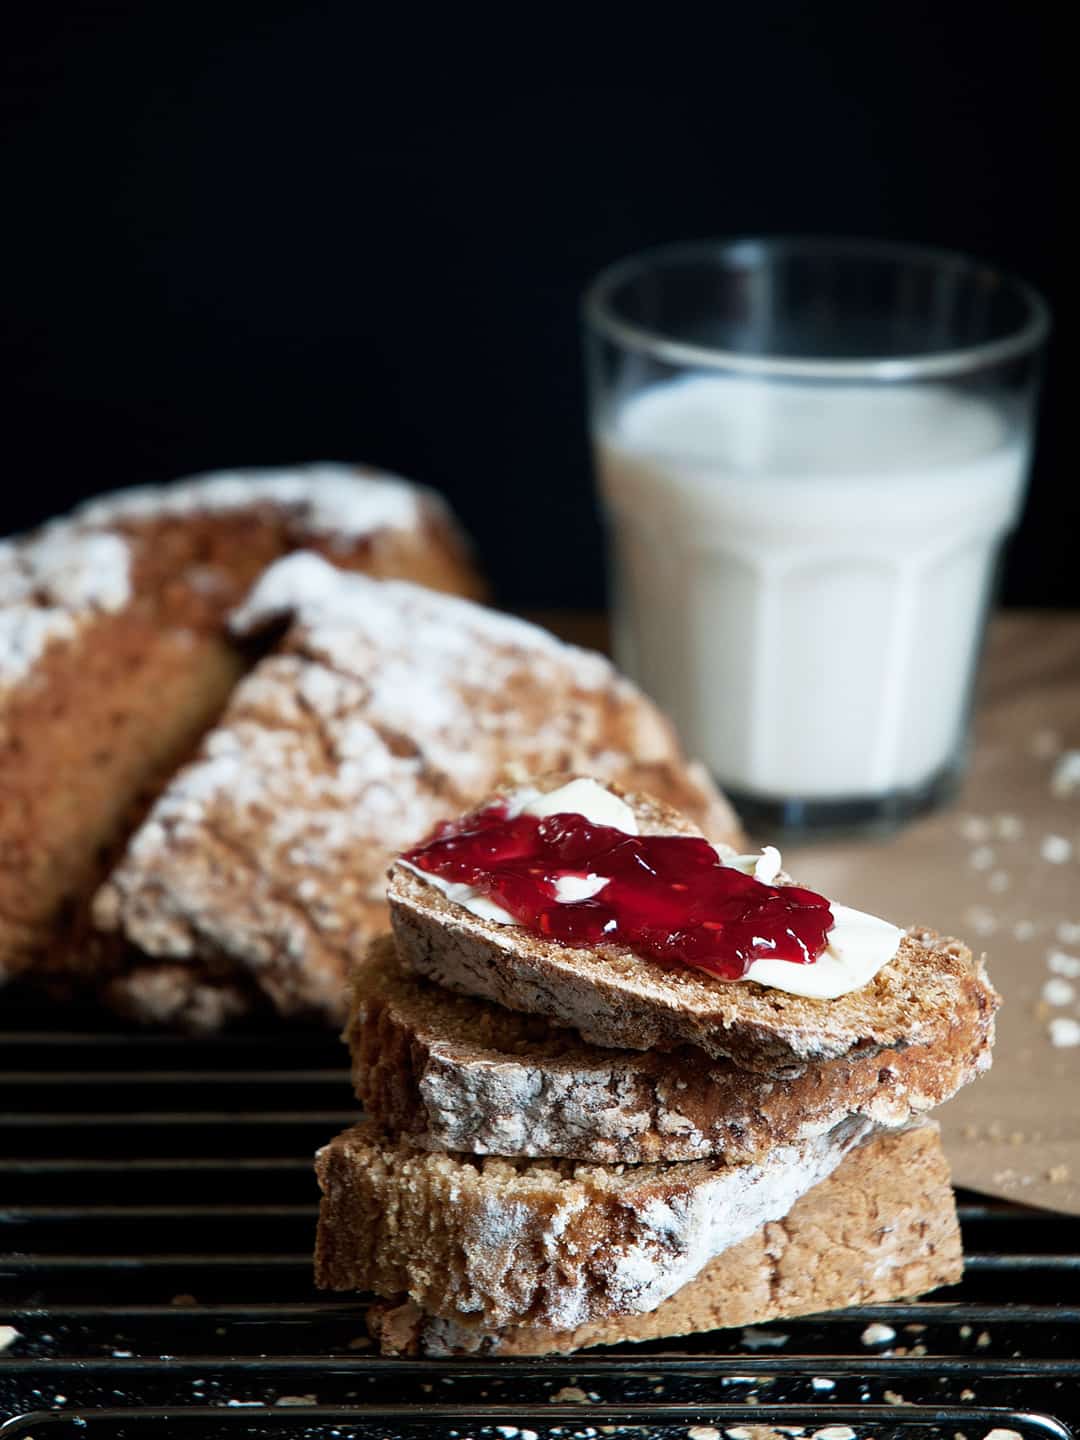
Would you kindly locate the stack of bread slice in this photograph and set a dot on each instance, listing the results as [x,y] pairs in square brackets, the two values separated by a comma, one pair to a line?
[569,1146]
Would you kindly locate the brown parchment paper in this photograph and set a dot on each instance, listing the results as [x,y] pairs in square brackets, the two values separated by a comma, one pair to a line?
[1001,869]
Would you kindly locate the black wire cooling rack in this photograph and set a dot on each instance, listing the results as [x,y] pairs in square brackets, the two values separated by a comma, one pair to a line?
[158,1207]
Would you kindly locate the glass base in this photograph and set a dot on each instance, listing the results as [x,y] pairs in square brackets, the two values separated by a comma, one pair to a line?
[825,819]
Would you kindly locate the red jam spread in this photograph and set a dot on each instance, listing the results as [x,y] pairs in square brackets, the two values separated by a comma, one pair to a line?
[668,897]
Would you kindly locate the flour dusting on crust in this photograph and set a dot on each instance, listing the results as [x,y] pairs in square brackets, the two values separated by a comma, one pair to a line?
[327,499]
[50,584]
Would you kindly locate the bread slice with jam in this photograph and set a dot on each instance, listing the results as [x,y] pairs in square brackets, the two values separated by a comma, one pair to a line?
[923,996]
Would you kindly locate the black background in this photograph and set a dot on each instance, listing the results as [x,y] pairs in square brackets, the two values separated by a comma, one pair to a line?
[253,236]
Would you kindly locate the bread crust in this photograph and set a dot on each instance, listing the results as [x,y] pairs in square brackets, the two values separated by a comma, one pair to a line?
[454,1073]
[857,1238]
[542,1242]
[615,998]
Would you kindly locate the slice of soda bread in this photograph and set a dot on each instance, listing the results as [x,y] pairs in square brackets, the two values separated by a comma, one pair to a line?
[543,1242]
[614,997]
[384,709]
[881,1227]
[451,1072]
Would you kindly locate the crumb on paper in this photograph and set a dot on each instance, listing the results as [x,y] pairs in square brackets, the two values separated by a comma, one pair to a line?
[1057,1175]
[1008,827]
[1017,1137]
[1061,964]
[1068,932]
[1066,777]
[1057,991]
[8,1336]
[969,1132]
[981,858]
[569,1395]
[1045,744]
[974,828]
[981,920]
[1024,930]
[878,1334]
[999,881]
[1064,1032]
[1056,849]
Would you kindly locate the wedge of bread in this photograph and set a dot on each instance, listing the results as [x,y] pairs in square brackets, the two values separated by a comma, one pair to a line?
[114,659]
[454,1073]
[613,997]
[543,1242]
[857,1238]
[384,709]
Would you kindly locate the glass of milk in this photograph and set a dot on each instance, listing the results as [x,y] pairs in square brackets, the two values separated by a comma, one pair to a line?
[809,453]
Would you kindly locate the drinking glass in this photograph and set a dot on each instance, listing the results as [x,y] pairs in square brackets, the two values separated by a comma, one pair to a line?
[809,452]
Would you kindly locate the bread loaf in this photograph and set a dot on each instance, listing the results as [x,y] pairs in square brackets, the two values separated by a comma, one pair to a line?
[384,709]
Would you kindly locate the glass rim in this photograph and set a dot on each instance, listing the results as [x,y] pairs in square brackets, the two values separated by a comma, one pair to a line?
[601,316]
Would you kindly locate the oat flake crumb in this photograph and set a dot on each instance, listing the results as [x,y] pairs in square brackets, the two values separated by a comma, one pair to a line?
[1064,1032]
[1061,964]
[1066,777]
[1057,991]
[1056,849]
[569,1395]
[878,1334]
[757,1339]
[703,1432]
[1057,1175]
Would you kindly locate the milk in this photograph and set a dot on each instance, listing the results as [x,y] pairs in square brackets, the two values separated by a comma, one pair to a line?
[801,571]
